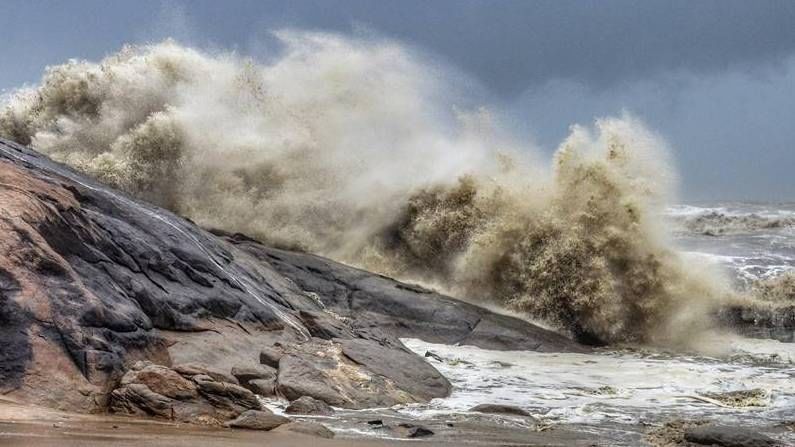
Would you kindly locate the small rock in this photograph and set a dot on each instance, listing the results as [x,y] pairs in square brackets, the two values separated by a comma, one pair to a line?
[270,356]
[724,436]
[258,420]
[309,405]
[500,409]
[413,431]
[308,428]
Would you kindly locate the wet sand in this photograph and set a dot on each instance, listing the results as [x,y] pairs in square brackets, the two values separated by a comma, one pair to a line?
[30,426]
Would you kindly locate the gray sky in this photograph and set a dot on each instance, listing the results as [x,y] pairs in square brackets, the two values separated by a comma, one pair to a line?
[715,78]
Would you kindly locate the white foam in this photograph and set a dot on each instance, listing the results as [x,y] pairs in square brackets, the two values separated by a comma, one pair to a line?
[617,387]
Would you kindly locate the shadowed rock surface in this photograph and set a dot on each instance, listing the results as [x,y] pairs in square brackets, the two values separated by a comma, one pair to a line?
[92,281]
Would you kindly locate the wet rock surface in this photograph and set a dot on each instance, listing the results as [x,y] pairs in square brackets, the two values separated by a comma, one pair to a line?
[725,436]
[108,303]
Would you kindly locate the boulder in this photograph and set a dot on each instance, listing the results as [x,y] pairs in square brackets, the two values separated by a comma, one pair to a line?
[323,370]
[725,436]
[258,420]
[414,375]
[307,428]
[310,406]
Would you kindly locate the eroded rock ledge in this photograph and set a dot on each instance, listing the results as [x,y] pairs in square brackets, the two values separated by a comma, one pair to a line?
[110,303]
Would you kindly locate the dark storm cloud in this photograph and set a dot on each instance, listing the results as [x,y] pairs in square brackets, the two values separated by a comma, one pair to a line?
[715,78]
[511,45]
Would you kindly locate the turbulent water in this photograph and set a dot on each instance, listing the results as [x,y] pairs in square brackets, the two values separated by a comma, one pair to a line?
[358,150]
[754,242]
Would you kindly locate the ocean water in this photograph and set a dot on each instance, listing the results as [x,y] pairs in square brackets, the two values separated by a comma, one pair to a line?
[751,241]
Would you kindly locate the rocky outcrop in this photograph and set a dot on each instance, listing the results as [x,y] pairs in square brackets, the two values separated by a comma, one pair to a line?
[155,390]
[92,282]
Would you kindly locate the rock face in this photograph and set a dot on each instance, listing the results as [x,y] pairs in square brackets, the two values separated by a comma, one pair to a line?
[92,282]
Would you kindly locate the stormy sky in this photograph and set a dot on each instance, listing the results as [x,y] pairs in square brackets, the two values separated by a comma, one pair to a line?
[715,78]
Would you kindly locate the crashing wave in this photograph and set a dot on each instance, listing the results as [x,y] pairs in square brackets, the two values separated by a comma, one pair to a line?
[355,150]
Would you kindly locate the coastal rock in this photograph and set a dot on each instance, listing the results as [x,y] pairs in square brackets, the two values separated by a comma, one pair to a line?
[258,420]
[92,281]
[500,409]
[307,428]
[402,310]
[310,406]
[324,370]
[415,376]
[725,436]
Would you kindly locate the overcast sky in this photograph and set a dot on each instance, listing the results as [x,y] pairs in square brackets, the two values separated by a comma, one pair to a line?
[715,78]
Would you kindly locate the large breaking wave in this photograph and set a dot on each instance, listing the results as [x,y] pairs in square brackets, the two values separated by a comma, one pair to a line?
[355,149]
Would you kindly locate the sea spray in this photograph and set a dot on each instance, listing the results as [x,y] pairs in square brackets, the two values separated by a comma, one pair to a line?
[355,150]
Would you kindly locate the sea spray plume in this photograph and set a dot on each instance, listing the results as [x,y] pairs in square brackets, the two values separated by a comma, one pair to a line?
[312,150]
[351,149]
[585,252]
